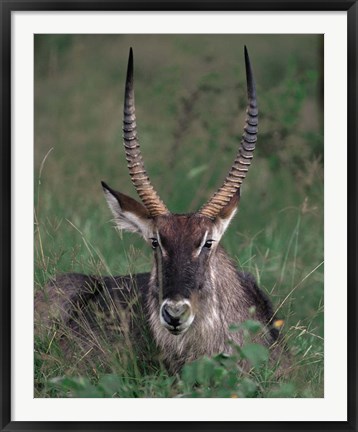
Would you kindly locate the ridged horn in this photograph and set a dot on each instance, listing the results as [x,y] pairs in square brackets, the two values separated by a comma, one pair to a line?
[244,156]
[137,171]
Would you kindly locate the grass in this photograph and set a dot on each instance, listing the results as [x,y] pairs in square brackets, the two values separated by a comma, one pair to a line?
[190,97]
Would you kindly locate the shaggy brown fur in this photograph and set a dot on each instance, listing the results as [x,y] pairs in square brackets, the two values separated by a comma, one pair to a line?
[129,304]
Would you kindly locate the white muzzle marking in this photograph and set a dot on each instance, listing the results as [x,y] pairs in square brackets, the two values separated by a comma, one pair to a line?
[179,312]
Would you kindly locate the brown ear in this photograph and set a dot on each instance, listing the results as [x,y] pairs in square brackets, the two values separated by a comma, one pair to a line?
[126,202]
[225,216]
[128,213]
[230,208]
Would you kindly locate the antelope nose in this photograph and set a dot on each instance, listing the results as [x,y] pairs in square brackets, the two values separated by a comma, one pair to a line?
[175,313]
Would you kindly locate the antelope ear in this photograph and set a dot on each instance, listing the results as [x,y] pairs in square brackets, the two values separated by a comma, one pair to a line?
[226,214]
[129,214]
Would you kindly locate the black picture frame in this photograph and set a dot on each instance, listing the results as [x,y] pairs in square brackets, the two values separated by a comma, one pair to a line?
[9,6]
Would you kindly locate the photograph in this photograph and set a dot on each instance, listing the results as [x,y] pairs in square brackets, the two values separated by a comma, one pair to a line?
[179,215]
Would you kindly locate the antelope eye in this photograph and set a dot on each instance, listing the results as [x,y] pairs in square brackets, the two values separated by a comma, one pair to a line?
[155,243]
[208,244]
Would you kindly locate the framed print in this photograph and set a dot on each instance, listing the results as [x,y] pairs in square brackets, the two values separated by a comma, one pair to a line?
[120,310]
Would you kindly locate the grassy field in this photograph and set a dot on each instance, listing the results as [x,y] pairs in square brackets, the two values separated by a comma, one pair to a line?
[190,100]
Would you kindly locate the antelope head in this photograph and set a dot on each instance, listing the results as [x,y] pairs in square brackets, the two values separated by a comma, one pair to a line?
[184,245]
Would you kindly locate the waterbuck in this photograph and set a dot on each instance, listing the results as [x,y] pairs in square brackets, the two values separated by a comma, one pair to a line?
[194,291]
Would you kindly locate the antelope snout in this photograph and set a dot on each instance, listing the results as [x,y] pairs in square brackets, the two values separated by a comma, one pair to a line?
[176,316]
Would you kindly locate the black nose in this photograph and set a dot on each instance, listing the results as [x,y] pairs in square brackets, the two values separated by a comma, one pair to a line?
[170,317]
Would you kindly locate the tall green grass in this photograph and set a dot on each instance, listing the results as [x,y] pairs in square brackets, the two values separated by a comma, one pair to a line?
[190,97]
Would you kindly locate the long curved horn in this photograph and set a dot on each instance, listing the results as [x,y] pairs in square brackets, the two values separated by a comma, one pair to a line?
[244,156]
[134,158]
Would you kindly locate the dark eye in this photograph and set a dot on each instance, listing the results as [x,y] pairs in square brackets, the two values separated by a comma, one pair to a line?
[208,244]
[155,243]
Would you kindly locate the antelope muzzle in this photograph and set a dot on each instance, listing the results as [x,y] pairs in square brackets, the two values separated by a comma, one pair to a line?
[176,315]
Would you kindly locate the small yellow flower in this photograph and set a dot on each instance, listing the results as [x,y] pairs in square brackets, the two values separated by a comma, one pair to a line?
[234,396]
[278,324]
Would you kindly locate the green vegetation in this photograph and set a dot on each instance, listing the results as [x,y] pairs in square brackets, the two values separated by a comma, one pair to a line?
[190,97]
